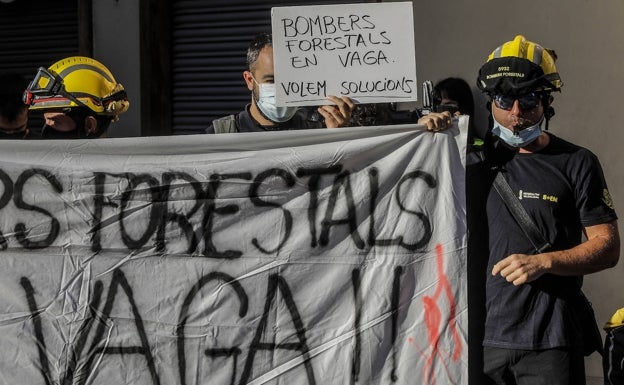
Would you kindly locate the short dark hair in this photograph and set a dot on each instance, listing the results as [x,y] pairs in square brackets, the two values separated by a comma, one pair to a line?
[456,89]
[256,45]
[12,87]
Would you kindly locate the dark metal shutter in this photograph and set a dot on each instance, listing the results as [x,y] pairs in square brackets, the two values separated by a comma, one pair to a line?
[36,33]
[209,46]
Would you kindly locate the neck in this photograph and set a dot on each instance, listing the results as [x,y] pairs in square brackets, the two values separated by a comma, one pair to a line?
[258,116]
[536,145]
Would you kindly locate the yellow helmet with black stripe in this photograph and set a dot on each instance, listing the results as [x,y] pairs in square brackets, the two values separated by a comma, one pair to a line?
[77,81]
[519,66]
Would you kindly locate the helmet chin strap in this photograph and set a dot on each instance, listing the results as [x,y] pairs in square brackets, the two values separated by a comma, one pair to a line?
[549,113]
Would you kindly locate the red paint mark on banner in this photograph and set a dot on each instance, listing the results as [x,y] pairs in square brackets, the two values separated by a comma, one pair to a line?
[436,325]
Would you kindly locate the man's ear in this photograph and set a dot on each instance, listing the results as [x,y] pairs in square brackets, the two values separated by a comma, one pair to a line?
[248,76]
[90,125]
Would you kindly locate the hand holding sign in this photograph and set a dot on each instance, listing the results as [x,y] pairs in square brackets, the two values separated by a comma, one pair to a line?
[337,115]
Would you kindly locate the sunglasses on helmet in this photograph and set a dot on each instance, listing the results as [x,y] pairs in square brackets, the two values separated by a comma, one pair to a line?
[526,102]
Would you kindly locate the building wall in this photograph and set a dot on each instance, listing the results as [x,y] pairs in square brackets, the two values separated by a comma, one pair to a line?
[116,44]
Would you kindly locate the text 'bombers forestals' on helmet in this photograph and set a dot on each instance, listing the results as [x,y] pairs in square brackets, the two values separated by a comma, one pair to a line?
[77,81]
[518,67]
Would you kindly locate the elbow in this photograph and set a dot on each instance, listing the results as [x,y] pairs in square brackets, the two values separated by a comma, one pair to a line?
[612,252]
[614,257]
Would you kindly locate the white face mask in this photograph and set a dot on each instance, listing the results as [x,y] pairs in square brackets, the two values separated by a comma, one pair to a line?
[266,104]
[520,139]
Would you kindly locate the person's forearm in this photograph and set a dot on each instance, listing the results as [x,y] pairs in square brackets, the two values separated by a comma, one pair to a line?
[600,251]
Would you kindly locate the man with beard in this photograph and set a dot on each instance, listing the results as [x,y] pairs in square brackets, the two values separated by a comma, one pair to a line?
[262,114]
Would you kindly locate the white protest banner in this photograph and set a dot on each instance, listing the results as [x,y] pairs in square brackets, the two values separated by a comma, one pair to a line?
[363,51]
[298,257]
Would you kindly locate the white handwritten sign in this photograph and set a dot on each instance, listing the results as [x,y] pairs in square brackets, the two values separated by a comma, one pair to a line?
[301,257]
[363,51]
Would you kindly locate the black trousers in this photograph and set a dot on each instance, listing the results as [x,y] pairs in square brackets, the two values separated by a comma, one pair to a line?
[613,357]
[534,367]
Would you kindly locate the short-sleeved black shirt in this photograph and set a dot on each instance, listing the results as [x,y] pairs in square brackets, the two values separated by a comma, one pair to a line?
[563,189]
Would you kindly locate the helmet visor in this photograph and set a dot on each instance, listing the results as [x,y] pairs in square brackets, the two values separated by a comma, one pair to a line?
[47,89]
[45,83]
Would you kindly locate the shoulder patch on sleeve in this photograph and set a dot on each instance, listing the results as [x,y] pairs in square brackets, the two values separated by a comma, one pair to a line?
[606,198]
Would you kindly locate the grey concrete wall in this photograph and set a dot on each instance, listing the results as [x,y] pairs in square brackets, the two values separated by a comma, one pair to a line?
[116,45]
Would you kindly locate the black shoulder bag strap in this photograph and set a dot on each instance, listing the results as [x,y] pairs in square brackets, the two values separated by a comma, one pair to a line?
[520,215]
[529,228]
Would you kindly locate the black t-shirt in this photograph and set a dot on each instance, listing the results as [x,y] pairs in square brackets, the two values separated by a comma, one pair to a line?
[563,189]
[245,122]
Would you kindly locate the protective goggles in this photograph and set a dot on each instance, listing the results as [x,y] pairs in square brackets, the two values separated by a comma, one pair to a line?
[47,87]
[526,102]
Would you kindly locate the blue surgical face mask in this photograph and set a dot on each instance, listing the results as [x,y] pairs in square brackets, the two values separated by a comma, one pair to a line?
[522,137]
[266,104]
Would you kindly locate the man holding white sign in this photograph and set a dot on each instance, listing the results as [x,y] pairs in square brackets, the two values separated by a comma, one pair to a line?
[262,114]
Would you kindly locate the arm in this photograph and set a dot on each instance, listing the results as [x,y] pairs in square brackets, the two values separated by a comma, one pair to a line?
[337,115]
[600,251]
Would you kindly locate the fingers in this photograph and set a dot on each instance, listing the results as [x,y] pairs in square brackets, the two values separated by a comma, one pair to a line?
[339,114]
[510,273]
[436,121]
[519,269]
[344,104]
